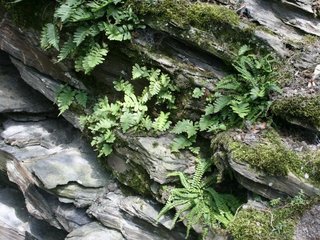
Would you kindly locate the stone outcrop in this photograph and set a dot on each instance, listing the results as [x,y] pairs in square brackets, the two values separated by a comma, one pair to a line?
[50,170]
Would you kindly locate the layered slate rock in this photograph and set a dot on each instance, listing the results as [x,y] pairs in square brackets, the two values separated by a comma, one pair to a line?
[16,223]
[94,231]
[15,95]
[117,211]
[269,164]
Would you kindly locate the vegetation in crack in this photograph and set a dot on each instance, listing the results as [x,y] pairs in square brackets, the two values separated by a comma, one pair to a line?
[66,96]
[81,30]
[238,98]
[198,203]
[132,113]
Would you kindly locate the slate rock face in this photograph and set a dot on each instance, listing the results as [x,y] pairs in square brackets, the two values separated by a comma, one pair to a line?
[16,223]
[57,172]
[16,96]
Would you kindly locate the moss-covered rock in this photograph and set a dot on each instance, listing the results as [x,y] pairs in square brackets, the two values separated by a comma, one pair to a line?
[270,154]
[300,110]
[266,153]
[212,27]
[271,223]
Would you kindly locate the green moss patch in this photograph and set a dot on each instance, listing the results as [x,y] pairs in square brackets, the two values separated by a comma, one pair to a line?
[269,155]
[183,13]
[218,20]
[306,110]
[271,223]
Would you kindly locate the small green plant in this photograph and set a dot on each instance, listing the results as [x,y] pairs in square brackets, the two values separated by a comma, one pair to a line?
[197,202]
[81,30]
[132,113]
[66,96]
[244,96]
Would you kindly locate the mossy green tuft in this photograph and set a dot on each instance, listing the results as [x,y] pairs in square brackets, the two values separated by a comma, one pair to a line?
[305,109]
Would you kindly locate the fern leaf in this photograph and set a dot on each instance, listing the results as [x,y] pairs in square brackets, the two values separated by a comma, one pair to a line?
[243,50]
[64,99]
[97,5]
[161,123]
[139,72]
[146,123]
[105,150]
[81,14]
[50,37]
[198,92]
[221,102]
[182,178]
[94,57]
[80,34]
[129,120]
[179,143]
[81,98]
[185,126]
[67,48]
[209,109]
[240,108]
[154,88]
[64,11]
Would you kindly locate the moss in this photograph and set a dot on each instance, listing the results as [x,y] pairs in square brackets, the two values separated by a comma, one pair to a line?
[268,155]
[222,22]
[30,13]
[271,223]
[310,39]
[137,179]
[183,13]
[304,109]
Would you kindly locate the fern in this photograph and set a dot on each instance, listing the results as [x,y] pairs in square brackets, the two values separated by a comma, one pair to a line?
[197,202]
[243,96]
[87,22]
[185,126]
[129,113]
[161,123]
[179,143]
[67,96]
[50,37]
[67,49]
[64,99]
[94,57]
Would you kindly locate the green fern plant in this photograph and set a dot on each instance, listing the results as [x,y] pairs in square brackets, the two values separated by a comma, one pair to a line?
[197,202]
[243,96]
[67,96]
[81,30]
[131,112]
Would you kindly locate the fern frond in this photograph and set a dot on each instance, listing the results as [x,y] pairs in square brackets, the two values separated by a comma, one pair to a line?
[94,57]
[50,37]
[180,142]
[185,126]
[65,98]
[81,98]
[162,123]
[221,102]
[68,48]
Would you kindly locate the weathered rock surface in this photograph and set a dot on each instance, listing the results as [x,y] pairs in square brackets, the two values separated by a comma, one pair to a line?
[126,214]
[309,225]
[16,223]
[57,171]
[16,96]
[59,176]
[94,231]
